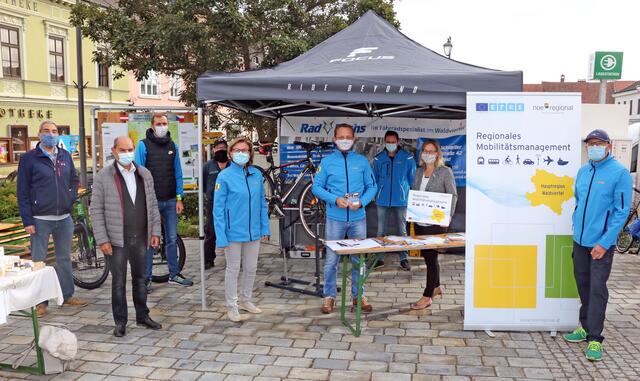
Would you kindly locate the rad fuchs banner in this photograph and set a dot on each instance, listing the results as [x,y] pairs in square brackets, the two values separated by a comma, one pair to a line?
[370,138]
[523,153]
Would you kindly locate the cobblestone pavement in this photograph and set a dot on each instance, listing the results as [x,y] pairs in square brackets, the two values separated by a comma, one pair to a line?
[293,340]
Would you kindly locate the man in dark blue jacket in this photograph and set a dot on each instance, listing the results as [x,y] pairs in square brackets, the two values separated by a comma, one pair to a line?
[210,173]
[47,188]
[603,199]
[159,154]
[394,169]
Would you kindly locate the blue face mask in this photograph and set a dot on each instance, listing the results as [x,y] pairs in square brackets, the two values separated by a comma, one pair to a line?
[125,158]
[596,153]
[49,140]
[391,147]
[241,158]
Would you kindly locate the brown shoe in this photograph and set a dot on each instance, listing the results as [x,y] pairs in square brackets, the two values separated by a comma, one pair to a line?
[76,302]
[365,307]
[328,306]
[41,310]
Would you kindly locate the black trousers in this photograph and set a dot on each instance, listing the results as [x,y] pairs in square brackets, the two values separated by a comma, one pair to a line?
[591,278]
[430,259]
[209,234]
[134,251]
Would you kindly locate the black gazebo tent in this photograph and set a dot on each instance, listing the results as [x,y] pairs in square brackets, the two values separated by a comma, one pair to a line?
[367,69]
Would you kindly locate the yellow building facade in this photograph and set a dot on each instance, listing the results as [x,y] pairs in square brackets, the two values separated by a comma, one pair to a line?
[39,73]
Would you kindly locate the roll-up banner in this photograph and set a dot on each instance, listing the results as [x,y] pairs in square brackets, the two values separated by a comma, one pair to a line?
[523,153]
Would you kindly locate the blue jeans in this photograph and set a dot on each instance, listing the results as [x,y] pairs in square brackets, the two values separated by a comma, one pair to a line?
[399,214]
[170,223]
[62,232]
[340,230]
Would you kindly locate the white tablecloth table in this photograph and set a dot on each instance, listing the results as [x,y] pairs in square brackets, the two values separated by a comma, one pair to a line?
[20,293]
[23,291]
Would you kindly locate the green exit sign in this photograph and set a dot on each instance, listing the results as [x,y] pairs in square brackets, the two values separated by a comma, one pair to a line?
[605,65]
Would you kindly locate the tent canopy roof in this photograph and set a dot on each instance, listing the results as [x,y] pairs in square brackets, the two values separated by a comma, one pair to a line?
[369,68]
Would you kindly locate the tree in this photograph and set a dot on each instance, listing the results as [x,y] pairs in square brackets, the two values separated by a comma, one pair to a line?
[189,37]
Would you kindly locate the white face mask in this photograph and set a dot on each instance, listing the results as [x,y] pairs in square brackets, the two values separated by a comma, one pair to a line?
[344,144]
[428,158]
[161,131]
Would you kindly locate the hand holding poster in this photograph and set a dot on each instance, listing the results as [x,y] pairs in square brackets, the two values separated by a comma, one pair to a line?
[429,208]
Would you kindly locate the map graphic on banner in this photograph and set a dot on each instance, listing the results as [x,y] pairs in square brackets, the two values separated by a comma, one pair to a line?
[370,138]
[185,135]
[523,154]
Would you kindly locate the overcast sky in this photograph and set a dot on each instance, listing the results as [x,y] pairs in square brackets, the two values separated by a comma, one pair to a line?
[543,38]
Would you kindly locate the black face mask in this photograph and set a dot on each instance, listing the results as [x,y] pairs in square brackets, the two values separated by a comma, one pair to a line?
[221,156]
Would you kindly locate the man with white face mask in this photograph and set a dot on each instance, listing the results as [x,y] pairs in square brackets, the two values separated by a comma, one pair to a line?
[603,192]
[341,176]
[126,222]
[159,154]
[394,169]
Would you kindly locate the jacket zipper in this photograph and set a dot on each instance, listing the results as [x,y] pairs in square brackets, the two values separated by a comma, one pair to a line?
[228,219]
[346,171]
[604,228]
[391,185]
[55,175]
[586,202]
[246,179]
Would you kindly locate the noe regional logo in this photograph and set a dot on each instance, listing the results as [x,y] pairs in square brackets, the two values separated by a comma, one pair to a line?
[549,108]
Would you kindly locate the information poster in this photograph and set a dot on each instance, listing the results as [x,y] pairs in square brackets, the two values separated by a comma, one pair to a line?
[429,208]
[523,152]
[184,135]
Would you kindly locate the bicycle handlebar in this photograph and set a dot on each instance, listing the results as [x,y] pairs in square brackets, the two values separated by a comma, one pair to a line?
[636,190]
[310,146]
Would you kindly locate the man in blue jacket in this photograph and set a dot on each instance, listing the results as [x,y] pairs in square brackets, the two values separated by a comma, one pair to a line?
[47,188]
[159,154]
[394,169]
[603,199]
[340,174]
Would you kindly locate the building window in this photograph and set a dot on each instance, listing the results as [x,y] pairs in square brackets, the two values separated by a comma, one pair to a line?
[19,141]
[150,86]
[638,106]
[56,59]
[175,85]
[631,107]
[103,75]
[634,159]
[10,52]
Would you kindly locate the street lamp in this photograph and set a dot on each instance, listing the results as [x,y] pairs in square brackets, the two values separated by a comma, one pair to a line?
[447,47]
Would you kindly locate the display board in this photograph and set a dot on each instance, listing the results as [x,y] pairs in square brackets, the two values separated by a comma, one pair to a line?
[370,138]
[523,152]
[184,133]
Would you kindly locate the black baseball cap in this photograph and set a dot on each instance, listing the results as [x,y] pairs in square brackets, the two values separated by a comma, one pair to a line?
[220,141]
[598,134]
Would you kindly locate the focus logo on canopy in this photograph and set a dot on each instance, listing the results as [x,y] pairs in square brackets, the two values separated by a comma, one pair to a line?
[362,54]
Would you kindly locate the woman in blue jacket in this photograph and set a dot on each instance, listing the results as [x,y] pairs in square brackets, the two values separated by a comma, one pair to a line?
[240,215]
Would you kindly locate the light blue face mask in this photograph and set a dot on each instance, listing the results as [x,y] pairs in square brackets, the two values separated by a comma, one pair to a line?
[241,158]
[49,140]
[391,147]
[596,153]
[125,158]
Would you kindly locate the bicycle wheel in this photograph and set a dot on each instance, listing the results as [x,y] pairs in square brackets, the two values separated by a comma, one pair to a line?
[90,268]
[311,211]
[625,239]
[273,203]
[160,273]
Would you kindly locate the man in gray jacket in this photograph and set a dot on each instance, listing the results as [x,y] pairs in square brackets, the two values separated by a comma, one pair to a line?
[126,221]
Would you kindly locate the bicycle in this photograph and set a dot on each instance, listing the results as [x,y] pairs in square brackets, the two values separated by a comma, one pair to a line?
[160,271]
[278,191]
[90,269]
[625,239]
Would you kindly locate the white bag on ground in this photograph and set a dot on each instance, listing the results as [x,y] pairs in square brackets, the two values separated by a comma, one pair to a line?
[58,342]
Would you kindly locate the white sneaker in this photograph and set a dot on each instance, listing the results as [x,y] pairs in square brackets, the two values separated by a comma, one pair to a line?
[249,307]
[233,314]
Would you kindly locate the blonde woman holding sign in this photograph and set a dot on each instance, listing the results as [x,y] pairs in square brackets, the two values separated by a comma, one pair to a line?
[432,176]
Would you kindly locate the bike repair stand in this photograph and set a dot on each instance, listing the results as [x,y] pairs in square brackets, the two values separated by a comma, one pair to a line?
[286,282]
